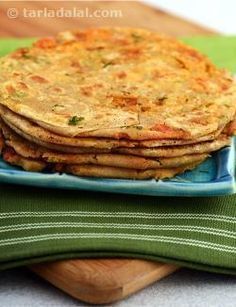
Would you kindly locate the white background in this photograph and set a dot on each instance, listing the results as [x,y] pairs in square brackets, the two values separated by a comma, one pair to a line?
[219,15]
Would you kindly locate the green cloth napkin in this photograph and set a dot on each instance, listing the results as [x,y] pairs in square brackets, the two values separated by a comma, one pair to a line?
[40,224]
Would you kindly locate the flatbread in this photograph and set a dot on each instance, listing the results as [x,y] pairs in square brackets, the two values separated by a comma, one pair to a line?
[177,151]
[10,156]
[123,161]
[32,151]
[55,147]
[39,134]
[118,83]
[121,173]
[92,170]
[230,129]
[34,133]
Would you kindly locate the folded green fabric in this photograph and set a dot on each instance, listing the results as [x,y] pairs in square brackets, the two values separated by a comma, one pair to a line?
[40,224]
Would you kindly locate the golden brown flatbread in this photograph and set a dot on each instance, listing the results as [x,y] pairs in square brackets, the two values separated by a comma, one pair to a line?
[177,151]
[122,173]
[123,161]
[32,151]
[42,136]
[10,156]
[113,103]
[30,164]
[34,133]
[230,129]
[118,83]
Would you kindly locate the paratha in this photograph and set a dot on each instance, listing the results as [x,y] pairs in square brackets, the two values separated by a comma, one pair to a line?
[41,134]
[123,161]
[32,151]
[10,156]
[122,173]
[92,170]
[230,129]
[43,137]
[118,83]
[177,151]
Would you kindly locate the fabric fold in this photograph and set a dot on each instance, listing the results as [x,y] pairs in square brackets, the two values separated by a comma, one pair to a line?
[40,224]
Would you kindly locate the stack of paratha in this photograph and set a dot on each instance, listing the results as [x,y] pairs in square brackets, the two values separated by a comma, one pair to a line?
[115,103]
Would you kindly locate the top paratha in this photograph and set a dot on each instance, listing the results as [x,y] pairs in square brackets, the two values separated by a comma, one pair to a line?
[117,83]
[43,137]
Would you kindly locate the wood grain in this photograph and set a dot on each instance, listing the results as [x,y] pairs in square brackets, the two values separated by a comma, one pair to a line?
[97,281]
[100,281]
[133,14]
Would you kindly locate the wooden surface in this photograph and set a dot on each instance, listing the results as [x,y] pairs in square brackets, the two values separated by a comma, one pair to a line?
[104,280]
[134,14]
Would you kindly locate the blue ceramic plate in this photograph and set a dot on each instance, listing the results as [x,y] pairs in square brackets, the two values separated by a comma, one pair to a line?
[216,176]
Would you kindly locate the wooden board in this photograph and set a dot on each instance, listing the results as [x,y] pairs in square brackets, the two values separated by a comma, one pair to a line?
[133,14]
[97,281]
[100,281]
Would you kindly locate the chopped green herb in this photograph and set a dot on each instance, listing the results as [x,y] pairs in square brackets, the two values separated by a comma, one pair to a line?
[134,126]
[137,38]
[75,120]
[41,60]
[57,106]
[161,98]
[18,95]
[26,56]
[107,64]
